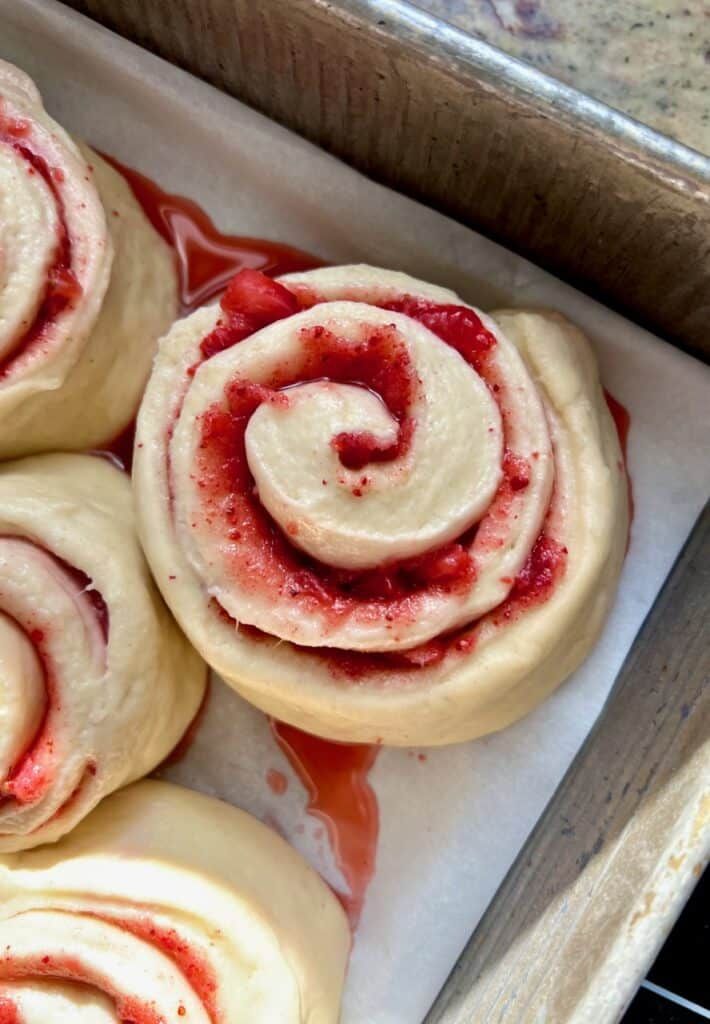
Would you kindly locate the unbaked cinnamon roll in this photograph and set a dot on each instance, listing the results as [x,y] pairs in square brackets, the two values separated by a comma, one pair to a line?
[86,285]
[166,906]
[97,684]
[382,515]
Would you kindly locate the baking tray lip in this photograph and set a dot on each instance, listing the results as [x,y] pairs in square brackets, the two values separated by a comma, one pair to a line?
[460,53]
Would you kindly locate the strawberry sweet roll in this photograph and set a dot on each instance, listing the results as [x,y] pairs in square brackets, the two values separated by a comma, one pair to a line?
[97,684]
[168,907]
[380,514]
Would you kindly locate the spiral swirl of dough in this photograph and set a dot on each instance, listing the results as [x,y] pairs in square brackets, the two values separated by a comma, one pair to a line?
[86,285]
[97,684]
[379,513]
[163,906]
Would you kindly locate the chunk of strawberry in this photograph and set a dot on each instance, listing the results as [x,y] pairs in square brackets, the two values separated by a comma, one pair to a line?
[256,296]
[458,326]
[63,282]
[252,300]
[228,332]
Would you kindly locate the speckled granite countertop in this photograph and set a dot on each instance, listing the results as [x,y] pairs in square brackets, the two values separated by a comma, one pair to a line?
[648,58]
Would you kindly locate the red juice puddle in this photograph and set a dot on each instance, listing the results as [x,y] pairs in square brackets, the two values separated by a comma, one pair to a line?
[206,258]
[336,778]
[206,261]
[265,552]
[182,746]
[276,781]
[622,421]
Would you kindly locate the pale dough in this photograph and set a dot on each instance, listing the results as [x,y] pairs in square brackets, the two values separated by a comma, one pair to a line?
[80,385]
[117,704]
[557,421]
[259,936]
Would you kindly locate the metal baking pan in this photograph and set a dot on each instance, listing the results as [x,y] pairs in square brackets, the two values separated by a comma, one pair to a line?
[623,213]
[598,199]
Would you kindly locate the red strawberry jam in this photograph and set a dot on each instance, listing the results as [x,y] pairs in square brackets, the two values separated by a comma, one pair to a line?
[62,289]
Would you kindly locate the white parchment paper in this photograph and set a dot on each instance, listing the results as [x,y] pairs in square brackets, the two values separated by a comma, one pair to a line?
[451,825]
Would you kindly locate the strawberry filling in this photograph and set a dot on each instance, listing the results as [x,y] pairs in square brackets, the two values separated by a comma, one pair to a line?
[206,258]
[31,776]
[254,546]
[128,1009]
[62,289]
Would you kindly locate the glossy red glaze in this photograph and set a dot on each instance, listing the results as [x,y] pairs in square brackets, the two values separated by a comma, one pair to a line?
[62,287]
[206,261]
[335,776]
[206,258]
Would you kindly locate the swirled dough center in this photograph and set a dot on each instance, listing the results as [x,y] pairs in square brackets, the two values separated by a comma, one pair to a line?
[427,496]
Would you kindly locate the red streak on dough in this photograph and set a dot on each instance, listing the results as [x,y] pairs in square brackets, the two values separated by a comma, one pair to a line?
[62,288]
[89,772]
[536,579]
[70,968]
[206,258]
[193,964]
[252,301]
[9,1014]
[459,326]
[31,775]
[253,545]
[256,549]
[335,776]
